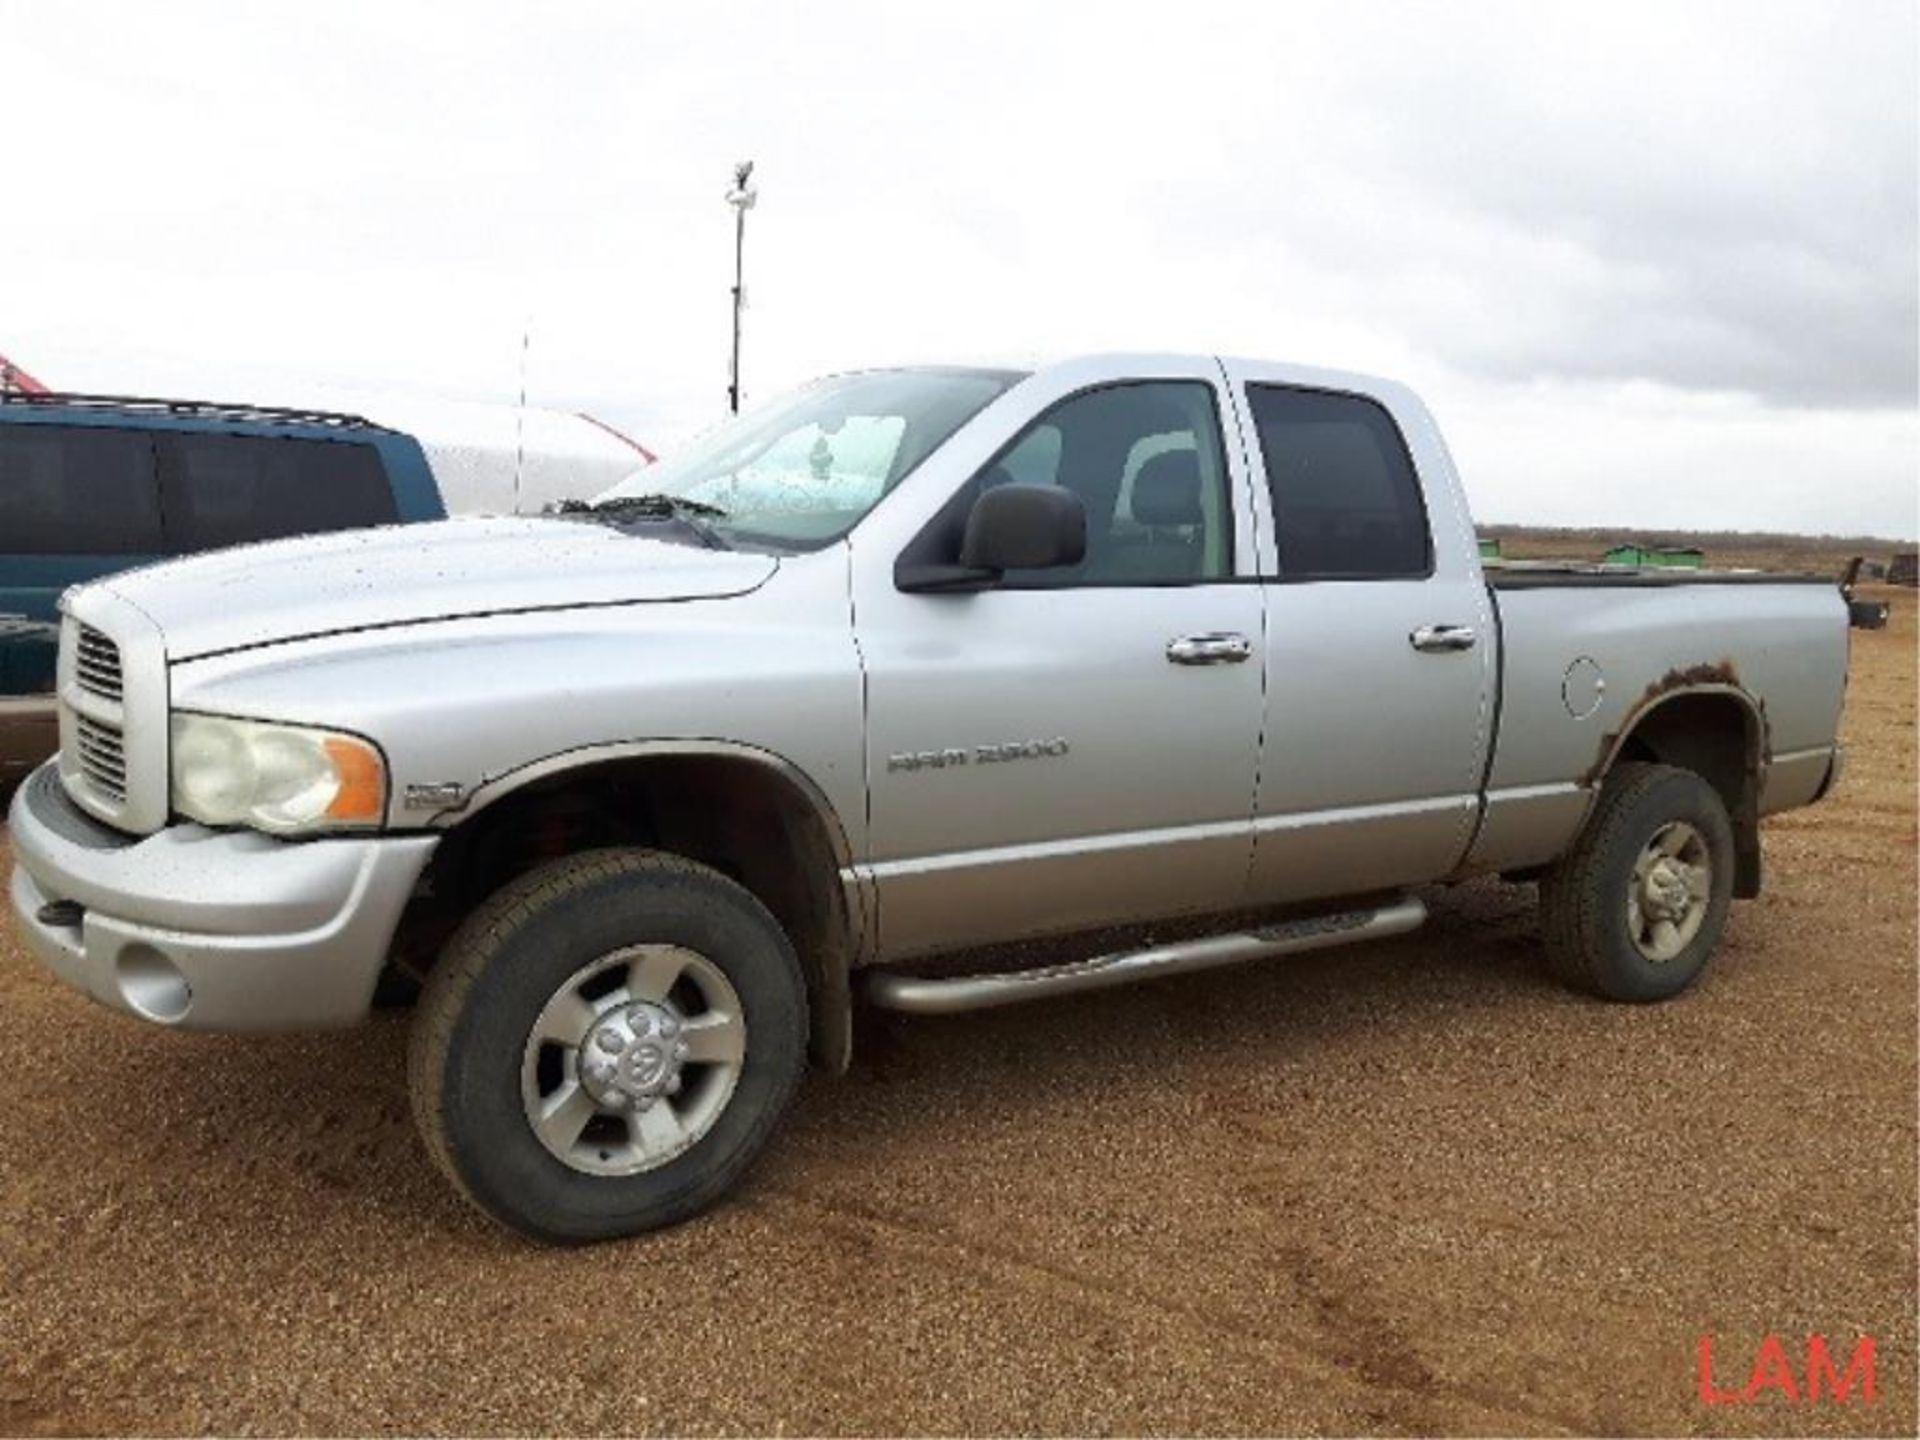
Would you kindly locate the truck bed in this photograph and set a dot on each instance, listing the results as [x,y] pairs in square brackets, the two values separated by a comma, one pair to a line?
[1573,575]
[1579,669]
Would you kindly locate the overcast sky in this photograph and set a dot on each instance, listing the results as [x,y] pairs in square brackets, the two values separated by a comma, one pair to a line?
[1652,264]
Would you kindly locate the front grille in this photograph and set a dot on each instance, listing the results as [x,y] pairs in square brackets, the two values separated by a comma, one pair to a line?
[96,664]
[112,683]
[102,757]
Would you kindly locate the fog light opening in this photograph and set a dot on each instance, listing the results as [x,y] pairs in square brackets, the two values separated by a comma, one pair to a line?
[153,984]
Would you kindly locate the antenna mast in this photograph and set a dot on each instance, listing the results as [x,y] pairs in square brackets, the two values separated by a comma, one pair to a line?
[741,198]
[520,414]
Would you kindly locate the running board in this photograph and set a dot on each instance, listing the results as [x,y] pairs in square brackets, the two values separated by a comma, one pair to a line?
[920,995]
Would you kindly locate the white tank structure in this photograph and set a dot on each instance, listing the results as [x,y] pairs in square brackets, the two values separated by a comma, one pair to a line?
[500,459]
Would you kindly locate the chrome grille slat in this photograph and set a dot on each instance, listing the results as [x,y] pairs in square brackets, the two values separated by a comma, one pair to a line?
[96,664]
[102,756]
[99,760]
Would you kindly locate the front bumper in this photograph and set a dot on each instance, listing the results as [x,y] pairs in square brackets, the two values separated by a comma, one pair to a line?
[207,929]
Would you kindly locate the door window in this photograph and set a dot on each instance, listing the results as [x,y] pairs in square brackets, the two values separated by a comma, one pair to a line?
[1147,461]
[232,489]
[1346,501]
[77,490]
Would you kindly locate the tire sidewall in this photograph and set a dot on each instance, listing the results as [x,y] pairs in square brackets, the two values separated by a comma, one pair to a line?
[500,1160]
[1621,968]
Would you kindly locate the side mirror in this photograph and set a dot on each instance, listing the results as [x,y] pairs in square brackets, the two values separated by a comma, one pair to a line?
[1025,527]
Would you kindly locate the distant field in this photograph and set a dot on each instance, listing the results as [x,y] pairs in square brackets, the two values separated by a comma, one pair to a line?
[1724,549]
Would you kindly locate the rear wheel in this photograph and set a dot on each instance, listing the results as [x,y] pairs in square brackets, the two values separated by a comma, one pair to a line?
[1635,907]
[607,1044]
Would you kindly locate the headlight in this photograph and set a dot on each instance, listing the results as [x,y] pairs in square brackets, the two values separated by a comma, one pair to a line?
[279,778]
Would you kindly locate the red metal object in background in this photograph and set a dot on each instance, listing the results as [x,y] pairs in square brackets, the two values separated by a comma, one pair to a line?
[624,439]
[12,377]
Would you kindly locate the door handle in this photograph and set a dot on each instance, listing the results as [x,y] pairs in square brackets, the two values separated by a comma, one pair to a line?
[1435,639]
[1215,649]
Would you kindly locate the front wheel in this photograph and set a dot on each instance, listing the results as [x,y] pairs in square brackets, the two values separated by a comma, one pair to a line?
[1635,907]
[607,1044]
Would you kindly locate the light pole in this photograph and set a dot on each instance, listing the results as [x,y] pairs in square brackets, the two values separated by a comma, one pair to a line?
[741,198]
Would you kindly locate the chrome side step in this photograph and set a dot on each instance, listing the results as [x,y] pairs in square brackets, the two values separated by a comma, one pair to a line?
[920,995]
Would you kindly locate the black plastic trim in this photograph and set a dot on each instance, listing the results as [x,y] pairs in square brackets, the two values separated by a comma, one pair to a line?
[187,409]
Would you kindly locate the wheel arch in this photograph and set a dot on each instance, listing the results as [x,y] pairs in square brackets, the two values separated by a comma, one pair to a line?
[748,812]
[1715,728]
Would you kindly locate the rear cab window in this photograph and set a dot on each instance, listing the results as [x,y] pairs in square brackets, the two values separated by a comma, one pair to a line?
[1347,503]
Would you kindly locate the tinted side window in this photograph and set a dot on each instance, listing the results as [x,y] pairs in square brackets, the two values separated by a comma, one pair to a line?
[1346,502]
[1147,460]
[77,490]
[231,489]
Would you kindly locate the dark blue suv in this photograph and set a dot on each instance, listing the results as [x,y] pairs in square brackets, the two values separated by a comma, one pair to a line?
[91,484]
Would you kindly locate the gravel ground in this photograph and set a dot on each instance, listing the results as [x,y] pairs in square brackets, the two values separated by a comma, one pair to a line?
[1412,1188]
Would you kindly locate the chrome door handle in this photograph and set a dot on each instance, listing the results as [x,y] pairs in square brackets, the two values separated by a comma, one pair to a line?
[1216,649]
[1433,639]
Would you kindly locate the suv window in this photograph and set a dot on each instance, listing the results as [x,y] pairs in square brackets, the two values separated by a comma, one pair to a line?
[77,490]
[231,489]
[1146,459]
[1346,502]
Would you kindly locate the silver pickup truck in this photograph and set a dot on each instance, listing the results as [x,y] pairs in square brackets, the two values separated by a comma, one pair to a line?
[1182,660]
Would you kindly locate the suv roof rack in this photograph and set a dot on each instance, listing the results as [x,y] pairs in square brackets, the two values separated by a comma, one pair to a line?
[192,409]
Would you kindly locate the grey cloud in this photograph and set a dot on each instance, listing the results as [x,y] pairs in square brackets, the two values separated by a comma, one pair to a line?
[1709,197]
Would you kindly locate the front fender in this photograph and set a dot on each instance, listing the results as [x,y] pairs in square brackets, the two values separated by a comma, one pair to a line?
[463,707]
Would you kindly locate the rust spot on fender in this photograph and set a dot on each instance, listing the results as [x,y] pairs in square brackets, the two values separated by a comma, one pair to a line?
[1682,677]
[1720,672]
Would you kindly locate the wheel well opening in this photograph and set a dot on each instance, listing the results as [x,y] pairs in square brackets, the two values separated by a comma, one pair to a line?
[737,815]
[1719,738]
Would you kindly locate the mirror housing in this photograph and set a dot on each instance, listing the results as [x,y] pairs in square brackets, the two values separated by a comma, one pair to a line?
[968,547]
[1025,527]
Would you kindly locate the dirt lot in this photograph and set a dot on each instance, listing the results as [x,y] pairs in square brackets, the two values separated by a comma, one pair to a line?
[1412,1188]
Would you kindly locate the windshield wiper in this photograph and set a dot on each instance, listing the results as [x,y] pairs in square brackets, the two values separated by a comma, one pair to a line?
[694,514]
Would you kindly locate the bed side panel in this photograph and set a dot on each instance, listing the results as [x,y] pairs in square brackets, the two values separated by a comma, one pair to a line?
[1614,652]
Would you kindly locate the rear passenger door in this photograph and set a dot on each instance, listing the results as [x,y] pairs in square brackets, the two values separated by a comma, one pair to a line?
[1379,644]
[219,489]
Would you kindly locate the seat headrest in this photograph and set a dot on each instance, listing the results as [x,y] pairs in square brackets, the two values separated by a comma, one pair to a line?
[1166,490]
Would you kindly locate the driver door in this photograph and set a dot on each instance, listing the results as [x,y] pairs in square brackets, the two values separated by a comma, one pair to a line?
[1074,747]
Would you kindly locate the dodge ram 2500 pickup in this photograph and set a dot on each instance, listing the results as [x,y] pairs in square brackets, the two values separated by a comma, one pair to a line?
[902,667]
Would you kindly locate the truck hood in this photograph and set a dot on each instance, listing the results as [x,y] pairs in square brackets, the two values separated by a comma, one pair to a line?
[413,574]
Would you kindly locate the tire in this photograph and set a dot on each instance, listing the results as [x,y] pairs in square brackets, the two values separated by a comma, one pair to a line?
[479,1076]
[1604,902]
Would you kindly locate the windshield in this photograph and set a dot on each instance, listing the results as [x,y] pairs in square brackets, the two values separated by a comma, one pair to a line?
[801,471]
